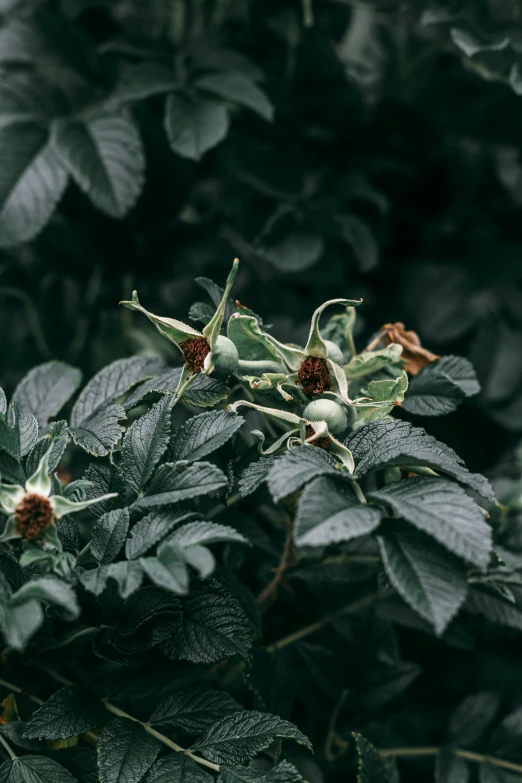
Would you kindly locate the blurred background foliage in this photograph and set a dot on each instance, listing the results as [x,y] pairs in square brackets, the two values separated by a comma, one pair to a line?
[359,148]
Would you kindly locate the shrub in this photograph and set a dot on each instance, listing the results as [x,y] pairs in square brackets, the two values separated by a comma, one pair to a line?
[237,571]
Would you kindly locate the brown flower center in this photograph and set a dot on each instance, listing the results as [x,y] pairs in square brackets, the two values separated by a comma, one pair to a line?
[314,377]
[321,443]
[195,350]
[33,515]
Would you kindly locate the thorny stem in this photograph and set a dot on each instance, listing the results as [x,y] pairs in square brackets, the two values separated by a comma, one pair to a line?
[121,714]
[313,627]
[469,755]
[269,593]
[8,748]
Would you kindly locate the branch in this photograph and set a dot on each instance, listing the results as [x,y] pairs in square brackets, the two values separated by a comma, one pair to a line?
[363,603]
[269,593]
[121,714]
[469,755]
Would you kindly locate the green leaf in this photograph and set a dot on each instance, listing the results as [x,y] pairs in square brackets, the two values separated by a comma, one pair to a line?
[238,88]
[168,570]
[169,485]
[57,438]
[488,773]
[179,768]
[369,362]
[328,512]
[255,474]
[495,608]
[299,466]
[203,392]
[109,535]
[28,429]
[214,627]
[444,511]
[24,98]
[49,590]
[240,736]
[193,711]
[32,182]
[284,772]
[371,767]
[450,768]
[152,529]
[203,532]
[68,713]
[105,479]
[128,576]
[440,386]
[111,383]
[125,752]
[101,431]
[194,126]
[381,444]
[20,622]
[431,580]
[105,157]
[472,717]
[297,251]
[203,434]
[45,389]
[142,81]
[359,236]
[3,401]
[145,443]
[34,769]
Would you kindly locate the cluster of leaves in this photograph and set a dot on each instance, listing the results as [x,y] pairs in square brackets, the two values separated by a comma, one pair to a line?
[169,645]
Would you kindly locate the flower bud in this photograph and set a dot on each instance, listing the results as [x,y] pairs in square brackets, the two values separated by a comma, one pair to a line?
[225,357]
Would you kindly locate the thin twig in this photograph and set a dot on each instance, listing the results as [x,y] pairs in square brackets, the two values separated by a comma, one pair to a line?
[469,755]
[332,736]
[232,500]
[9,686]
[120,713]
[302,633]
[269,593]
[8,748]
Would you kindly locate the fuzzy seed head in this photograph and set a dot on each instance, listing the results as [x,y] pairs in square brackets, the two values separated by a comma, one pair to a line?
[33,515]
[195,351]
[314,377]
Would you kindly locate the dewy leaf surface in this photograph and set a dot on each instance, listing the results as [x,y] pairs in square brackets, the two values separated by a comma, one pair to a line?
[444,511]
[240,736]
[328,512]
[431,580]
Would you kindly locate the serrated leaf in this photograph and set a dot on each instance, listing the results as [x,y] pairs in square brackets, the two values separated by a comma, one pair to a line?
[450,768]
[193,711]
[128,576]
[328,512]
[297,467]
[80,761]
[238,88]
[255,474]
[495,608]
[50,590]
[14,733]
[444,511]
[214,627]
[440,386]
[32,182]
[100,432]
[57,438]
[125,752]
[171,486]
[109,384]
[145,443]
[68,713]
[203,434]
[152,529]
[34,769]
[143,81]
[380,444]
[105,479]
[28,433]
[371,767]
[194,126]
[203,532]
[109,535]
[203,391]
[240,736]
[180,768]
[168,570]
[431,580]
[284,772]
[20,622]
[25,98]
[45,389]
[104,155]
[472,717]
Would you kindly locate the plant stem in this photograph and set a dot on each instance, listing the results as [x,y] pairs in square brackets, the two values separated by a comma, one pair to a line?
[363,603]
[223,506]
[469,755]
[9,686]
[121,714]
[8,748]
[269,593]
[358,491]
